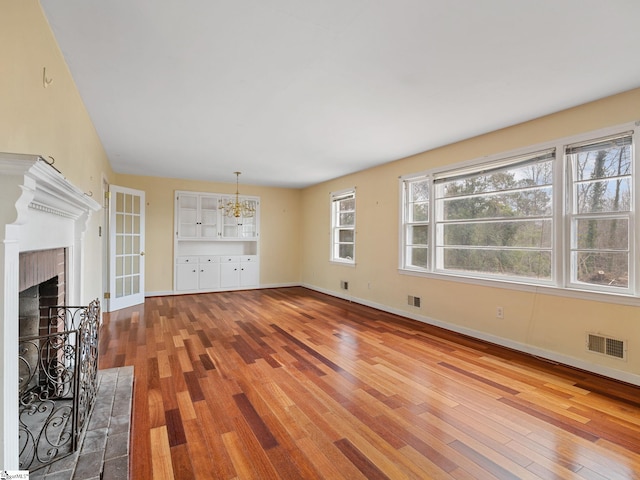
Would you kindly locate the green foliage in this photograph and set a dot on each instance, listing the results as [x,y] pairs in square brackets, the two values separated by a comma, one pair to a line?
[499,222]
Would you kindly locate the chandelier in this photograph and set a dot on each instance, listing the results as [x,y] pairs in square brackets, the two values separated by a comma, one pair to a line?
[237,208]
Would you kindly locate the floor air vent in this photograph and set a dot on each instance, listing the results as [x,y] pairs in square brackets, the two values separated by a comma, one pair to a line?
[610,347]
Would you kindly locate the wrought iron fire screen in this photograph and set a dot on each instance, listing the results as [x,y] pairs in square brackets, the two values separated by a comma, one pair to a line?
[58,384]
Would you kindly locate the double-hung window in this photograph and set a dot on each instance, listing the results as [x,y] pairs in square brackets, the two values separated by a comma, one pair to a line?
[600,207]
[343,226]
[416,227]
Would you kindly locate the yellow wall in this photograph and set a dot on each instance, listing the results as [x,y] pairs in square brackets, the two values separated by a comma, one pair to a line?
[533,321]
[51,120]
[279,228]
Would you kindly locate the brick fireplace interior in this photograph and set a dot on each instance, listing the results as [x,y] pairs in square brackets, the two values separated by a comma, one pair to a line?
[41,285]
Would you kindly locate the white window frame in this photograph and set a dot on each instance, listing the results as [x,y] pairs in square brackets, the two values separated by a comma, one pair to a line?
[441,223]
[573,217]
[336,226]
[561,281]
[408,201]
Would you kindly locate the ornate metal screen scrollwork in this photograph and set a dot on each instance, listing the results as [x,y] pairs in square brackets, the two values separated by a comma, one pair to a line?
[57,384]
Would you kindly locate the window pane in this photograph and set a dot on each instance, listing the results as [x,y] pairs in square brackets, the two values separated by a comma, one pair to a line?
[419,212]
[602,268]
[346,219]
[418,256]
[418,235]
[519,263]
[119,265]
[520,203]
[603,233]
[346,251]
[119,202]
[604,196]
[520,233]
[536,174]
[607,162]
[347,205]
[419,191]
[345,236]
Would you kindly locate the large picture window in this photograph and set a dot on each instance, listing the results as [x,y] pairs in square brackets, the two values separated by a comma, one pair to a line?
[343,226]
[560,215]
[497,220]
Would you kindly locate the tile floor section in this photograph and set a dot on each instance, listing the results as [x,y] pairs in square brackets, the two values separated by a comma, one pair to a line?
[104,450]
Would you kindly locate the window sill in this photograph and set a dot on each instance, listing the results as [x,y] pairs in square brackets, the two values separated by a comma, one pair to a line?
[343,263]
[618,298]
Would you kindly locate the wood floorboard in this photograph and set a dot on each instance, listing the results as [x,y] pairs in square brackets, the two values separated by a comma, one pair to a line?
[293,384]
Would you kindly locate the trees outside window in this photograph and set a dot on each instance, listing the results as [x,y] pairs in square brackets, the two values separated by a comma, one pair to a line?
[563,221]
[497,221]
[600,209]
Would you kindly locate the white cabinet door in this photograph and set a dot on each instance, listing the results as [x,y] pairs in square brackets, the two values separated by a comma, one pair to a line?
[187,213]
[209,275]
[229,274]
[186,276]
[249,274]
[208,221]
[197,216]
[244,226]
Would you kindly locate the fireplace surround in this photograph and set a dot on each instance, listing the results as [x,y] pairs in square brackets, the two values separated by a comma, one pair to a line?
[39,210]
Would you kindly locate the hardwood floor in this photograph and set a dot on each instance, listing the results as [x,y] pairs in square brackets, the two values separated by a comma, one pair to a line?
[292,384]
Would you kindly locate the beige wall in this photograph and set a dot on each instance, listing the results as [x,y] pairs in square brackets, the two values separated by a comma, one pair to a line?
[533,321]
[51,120]
[279,228]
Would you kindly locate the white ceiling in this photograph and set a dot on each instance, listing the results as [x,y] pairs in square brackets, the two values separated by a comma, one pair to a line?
[295,92]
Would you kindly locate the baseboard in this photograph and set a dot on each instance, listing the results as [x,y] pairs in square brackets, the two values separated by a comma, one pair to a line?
[504,342]
[189,292]
[159,294]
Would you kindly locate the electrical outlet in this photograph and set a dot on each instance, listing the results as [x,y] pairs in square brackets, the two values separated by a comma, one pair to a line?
[499,312]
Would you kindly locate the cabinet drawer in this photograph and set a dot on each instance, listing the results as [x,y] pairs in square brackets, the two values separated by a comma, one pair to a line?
[205,259]
[187,259]
[249,258]
[230,259]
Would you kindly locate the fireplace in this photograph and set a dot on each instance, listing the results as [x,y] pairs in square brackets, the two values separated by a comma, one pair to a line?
[43,220]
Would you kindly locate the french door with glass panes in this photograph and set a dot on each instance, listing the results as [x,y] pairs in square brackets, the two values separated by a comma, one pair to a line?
[126,242]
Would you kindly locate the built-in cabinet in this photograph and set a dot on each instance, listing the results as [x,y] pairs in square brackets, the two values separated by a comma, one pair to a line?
[198,216]
[215,251]
[240,270]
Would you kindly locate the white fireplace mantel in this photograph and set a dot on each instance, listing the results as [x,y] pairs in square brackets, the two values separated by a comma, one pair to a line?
[39,210]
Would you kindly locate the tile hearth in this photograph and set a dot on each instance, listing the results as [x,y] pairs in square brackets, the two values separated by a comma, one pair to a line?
[104,448]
